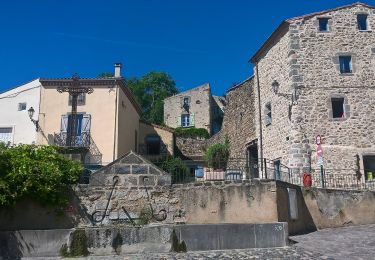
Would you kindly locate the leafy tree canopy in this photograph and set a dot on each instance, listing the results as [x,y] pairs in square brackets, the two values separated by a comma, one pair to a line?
[150,91]
[36,172]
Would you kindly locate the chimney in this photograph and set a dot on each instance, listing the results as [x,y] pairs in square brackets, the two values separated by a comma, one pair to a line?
[118,70]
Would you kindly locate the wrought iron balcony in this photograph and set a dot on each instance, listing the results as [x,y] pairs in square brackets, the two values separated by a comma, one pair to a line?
[63,139]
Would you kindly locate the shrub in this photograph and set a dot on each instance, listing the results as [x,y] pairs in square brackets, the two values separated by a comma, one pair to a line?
[217,155]
[36,172]
[176,167]
[192,132]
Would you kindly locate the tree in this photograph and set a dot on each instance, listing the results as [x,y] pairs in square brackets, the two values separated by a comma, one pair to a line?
[150,91]
[40,173]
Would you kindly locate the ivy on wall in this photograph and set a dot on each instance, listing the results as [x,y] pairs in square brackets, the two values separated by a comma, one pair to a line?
[39,173]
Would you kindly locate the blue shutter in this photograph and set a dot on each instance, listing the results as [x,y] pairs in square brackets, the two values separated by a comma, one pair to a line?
[86,123]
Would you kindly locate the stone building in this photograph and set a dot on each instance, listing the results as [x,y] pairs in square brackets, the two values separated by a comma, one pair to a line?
[196,107]
[315,76]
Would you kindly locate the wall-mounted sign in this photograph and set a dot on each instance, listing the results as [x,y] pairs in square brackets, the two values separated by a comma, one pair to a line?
[318,140]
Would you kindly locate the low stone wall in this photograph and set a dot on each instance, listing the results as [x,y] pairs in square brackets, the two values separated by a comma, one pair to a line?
[191,148]
[200,203]
[127,240]
[325,208]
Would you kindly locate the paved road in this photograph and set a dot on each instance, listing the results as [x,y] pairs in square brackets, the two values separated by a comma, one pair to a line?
[340,243]
[347,243]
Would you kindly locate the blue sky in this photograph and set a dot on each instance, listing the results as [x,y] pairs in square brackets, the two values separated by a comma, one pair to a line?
[195,41]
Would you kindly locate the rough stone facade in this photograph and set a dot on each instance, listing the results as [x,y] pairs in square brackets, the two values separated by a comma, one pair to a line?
[202,108]
[191,148]
[239,119]
[301,58]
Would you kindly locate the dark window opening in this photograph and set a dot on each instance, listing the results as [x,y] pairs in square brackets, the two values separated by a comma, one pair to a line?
[323,24]
[268,114]
[153,144]
[277,169]
[369,165]
[362,22]
[346,64]
[338,107]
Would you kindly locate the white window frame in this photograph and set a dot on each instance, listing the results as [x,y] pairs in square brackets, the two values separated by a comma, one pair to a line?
[185,120]
[12,135]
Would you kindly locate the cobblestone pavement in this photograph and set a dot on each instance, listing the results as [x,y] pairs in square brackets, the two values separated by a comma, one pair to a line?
[357,242]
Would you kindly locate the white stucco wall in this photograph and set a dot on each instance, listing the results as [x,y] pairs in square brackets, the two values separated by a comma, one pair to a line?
[23,130]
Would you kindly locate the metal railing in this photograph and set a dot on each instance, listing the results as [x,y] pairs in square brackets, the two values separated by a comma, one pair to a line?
[64,139]
[242,168]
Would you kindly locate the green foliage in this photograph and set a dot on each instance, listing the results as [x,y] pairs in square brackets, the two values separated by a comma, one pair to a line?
[150,92]
[192,132]
[176,245]
[36,172]
[217,155]
[106,75]
[117,243]
[145,217]
[176,167]
[78,246]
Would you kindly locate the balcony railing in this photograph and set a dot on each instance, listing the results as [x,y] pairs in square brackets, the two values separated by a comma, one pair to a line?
[64,139]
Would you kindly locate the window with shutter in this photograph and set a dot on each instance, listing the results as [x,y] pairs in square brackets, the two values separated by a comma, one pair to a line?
[86,123]
[64,124]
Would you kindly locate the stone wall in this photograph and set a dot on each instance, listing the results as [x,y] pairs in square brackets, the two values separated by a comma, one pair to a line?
[194,203]
[317,55]
[325,208]
[239,118]
[191,148]
[302,58]
[199,106]
[274,65]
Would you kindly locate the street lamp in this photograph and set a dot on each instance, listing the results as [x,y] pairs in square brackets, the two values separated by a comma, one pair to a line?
[31,112]
[293,96]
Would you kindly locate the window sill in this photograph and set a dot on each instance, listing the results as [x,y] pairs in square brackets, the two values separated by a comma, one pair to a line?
[347,74]
[338,119]
[365,30]
[324,32]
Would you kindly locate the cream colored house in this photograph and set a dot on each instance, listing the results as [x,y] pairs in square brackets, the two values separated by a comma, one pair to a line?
[107,119]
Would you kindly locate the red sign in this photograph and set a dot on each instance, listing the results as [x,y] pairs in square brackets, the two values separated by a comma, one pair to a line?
[319,151]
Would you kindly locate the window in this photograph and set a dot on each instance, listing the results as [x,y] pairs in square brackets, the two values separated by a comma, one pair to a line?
[323,24]
[338,107]
[277,169]
[153,144]
[81,99]
[268,114]
[346,64]
[21,106]
[6,135]
[362,22]
[185,120]
[369,167]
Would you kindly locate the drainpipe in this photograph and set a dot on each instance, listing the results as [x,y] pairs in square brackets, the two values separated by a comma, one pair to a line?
[260,120]
[115,143]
